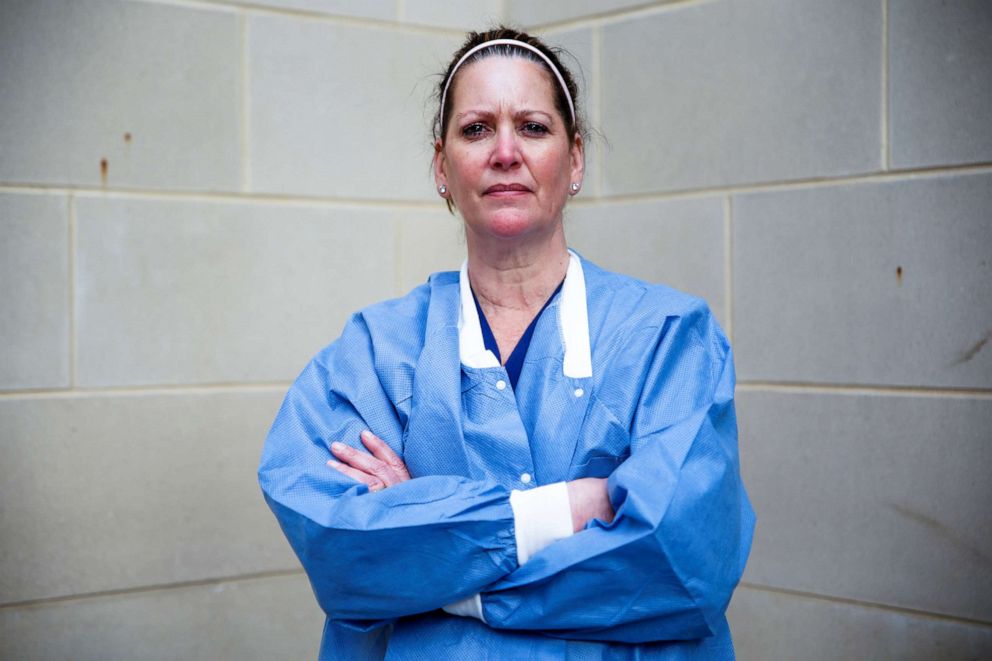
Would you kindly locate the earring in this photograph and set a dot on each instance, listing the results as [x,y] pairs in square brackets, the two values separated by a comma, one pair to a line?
[575,187]
[442,190]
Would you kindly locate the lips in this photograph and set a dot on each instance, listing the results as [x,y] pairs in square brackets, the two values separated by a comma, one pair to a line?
[506,188]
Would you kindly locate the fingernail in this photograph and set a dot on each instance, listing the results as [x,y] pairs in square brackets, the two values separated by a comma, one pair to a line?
[333,464]
[337,447]
[366,434]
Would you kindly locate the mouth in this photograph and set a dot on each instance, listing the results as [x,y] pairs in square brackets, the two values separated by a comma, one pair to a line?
[501,190]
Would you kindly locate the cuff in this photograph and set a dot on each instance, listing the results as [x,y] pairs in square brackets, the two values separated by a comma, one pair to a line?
[541,515]
[467,607]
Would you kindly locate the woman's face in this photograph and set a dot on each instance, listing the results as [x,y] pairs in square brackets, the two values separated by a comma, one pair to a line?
[506,159]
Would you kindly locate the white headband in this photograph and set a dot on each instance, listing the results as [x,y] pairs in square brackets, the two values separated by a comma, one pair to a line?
[508,42]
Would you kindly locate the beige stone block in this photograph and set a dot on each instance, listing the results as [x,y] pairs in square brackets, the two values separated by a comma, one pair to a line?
[679,243]
[476,15]
[769,626]
[342,110]
[377,9]
[175,292]
[34,291]
[877,498]
[877,283]
[121,94]
[719,93]
[528,12]
[248,619]
[940,82]
[429,242]
[112,492]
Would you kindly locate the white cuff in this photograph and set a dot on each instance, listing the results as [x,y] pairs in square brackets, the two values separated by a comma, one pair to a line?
[467,607]
[541,515]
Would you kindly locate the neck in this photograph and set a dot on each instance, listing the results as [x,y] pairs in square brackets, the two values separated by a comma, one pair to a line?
[517,277]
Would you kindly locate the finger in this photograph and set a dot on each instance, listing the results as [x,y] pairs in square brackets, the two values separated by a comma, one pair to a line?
[363,461]
[381,450]
[373,483]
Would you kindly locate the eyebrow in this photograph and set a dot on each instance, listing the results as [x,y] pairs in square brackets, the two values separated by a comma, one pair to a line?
[518,114]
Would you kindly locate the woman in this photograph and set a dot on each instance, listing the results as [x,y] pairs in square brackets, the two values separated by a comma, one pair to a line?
[532,458]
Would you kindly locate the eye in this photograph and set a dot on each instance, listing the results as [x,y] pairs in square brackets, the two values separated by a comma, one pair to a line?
[534,128]
[474,130]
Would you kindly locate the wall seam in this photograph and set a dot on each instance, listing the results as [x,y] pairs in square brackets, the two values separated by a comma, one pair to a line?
[147,390]
[596,96]
[886,130]
[156,587]
[856,389]
[343,20]
[617,15]
[72,289]
[866,604]
[909,174]
[728,265]
[245,107]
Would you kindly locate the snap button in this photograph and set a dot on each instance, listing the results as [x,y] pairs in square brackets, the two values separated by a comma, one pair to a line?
[579,392]
[525,478]
[500,385]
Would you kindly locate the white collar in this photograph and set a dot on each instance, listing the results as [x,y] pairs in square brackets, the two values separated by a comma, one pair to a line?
[573,324]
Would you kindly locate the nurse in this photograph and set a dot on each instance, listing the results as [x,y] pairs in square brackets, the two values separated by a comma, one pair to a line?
[531,458]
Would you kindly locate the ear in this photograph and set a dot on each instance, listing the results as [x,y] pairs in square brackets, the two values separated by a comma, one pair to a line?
[578,160]
[440,176]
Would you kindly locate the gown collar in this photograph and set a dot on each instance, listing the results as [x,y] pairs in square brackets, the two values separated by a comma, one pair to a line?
[573,324]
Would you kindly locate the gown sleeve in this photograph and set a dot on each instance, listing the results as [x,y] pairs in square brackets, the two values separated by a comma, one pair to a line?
[374,557]
[666,566]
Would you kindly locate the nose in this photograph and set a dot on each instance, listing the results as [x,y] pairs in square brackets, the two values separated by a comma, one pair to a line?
[506,149]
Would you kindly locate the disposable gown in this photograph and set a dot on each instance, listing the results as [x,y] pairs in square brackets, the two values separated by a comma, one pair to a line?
[623,379]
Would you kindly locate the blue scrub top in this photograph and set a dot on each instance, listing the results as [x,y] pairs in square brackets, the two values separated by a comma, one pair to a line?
[515,362]
[654,415]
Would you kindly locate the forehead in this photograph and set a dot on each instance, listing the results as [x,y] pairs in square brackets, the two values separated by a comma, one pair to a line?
[499,80]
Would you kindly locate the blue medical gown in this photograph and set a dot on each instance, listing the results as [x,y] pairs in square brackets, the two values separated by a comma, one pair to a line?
[656,417]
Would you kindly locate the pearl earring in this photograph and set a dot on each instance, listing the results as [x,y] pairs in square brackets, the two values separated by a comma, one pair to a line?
[442,189]
[574,187]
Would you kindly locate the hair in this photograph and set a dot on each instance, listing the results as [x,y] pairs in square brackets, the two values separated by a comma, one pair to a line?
[574,126]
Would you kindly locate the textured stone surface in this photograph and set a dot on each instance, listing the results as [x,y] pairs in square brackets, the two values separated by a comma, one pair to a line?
[266,618]
[769,626]
[528,12]
[378,9]
[34,291]
[940,82]
[340,110]
[724,93]
[428,242]
[679,243]
[462,15]
[113,492]
[132,94]
[881,283]
[182,292]
[877,498]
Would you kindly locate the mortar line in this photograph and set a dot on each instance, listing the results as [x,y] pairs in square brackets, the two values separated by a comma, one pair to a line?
[908,174]
[72,288]
[597,109]
[886,138]
[154,587]
[866,604]
[146,390]
[617,15]
[245,108]
[728,265]
[337,19]
[856,389]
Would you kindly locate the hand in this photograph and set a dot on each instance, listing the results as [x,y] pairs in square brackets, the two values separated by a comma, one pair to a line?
[589,500]
[381,469]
